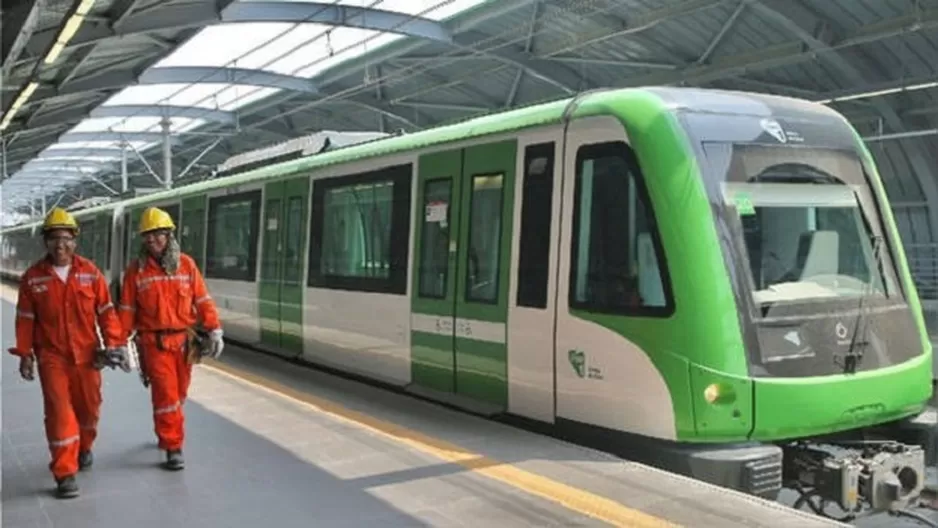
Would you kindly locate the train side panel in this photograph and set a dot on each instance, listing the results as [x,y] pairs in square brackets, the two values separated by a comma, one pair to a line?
[533,274]
[607,252]
[356,310]
[233,238]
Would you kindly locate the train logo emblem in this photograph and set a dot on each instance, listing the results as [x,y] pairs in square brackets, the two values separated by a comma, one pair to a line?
[841,331]
[774,129]
[578,362]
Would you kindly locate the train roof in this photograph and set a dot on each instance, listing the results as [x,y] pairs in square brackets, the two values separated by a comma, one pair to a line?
[675,98]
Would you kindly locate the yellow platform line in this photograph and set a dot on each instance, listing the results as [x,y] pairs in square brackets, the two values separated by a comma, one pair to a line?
[572,498]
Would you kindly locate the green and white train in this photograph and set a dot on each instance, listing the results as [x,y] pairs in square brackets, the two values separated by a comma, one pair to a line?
[712,279]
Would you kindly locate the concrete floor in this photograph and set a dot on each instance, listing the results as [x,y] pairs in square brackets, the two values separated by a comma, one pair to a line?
[346,455]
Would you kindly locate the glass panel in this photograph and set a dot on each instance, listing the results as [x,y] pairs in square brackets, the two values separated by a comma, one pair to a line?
[812,246]
[485,228]
[357,231]
[87,239]
[232,231]
[804,228]
[615,264]
[434,250]
[534,252]
[127,238]
[270,262]
[293,241]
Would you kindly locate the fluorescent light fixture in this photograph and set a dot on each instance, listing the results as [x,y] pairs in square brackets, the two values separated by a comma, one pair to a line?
[54,52]
[20,99]
[68,31]
[84,7]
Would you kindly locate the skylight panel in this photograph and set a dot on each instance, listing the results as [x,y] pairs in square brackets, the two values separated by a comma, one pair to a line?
[221,44]
[167,94]
[344,44]
[438,9]
[134,124]
[287,41]
[239,95]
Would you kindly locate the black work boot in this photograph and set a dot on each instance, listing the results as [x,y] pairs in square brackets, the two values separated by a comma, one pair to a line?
[174,460]
[85,460]
[67,487]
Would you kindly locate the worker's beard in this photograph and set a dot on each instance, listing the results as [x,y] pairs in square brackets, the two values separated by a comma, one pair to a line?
[169,260]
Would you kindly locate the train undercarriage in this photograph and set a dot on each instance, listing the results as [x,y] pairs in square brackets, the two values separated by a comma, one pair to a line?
[866,471]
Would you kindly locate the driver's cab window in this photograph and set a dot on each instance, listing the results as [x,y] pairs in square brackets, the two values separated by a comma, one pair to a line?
[792,244]
[615,261]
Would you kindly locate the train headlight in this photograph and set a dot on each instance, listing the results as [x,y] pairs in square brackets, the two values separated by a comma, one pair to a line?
[719,393]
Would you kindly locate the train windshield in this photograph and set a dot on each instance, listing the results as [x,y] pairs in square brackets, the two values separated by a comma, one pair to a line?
[806,224]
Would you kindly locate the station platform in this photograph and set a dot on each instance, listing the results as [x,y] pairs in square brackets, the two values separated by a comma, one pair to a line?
[272,444]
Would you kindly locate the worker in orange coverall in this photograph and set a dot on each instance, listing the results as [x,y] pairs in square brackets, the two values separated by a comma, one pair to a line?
[60,297]
[163,293]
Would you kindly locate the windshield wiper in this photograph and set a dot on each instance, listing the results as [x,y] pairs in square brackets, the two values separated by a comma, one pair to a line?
[854,356]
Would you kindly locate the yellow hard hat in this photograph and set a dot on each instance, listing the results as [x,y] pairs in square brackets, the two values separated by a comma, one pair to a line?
[155,218]
[59,218]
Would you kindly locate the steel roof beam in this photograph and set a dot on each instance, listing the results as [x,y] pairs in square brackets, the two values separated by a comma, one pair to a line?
[169,111]
[181,16]
[74,175]
[13,45]
[69,116]
[102,136]
[172,75]
[70,153]
[40,164]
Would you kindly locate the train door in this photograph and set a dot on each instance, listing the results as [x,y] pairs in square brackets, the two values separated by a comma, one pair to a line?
[463,242]
[102,242]
[281,280]
[131,217]
[531,309]
[612,303]
[192,229]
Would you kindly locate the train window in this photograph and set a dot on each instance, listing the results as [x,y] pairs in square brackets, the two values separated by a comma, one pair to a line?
[86,239]
[270,260]
[127,237]
[359,230]
[434,256]
[615,248]
[485,229]
[172,211]
[293,241]
[233,223]
[534,252]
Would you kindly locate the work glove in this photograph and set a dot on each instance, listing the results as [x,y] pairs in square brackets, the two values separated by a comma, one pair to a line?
[100,359]
[27,367]
[216,344]
[119,357]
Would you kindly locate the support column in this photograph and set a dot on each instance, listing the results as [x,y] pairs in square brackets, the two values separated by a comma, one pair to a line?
[124,178]
[167,154]
[43,206]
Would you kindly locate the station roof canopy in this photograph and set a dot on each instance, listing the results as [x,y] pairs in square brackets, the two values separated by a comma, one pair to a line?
[83,77]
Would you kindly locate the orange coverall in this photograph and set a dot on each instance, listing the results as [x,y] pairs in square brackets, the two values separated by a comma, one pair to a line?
[57,320]
[161,307]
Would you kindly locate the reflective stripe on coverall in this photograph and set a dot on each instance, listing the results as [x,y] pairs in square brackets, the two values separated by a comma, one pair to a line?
[57,321]
[161,307]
